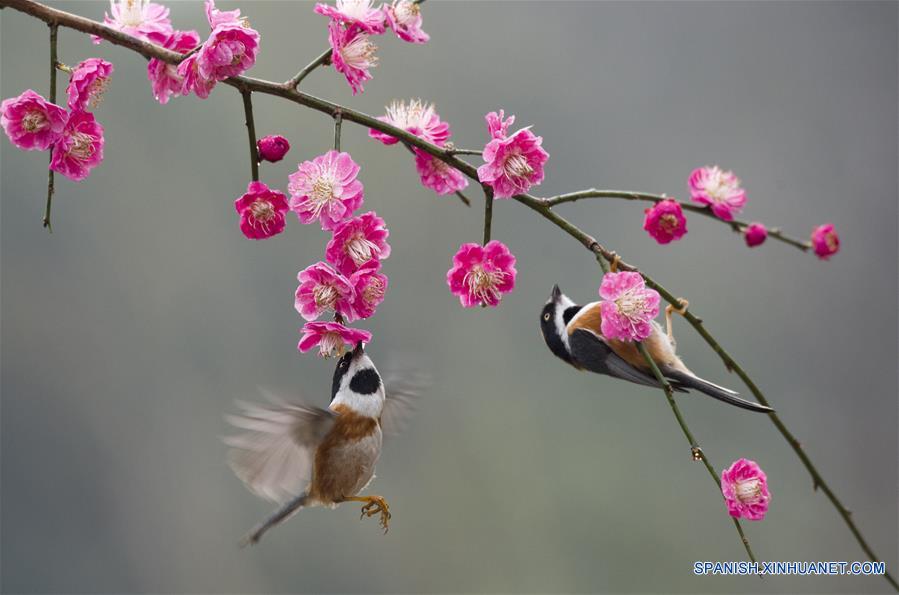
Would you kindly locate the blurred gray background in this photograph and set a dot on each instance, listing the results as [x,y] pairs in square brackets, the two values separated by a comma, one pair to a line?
[128,332]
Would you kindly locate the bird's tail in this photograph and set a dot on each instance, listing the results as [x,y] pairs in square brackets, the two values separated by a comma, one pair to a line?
[713,390]
[277,517]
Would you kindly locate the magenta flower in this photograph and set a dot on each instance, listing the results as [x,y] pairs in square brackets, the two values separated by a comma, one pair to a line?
[191,79]
[718,189]
[88,83]
[355,12]
[415,117]
[140,18]
[80,148]
[331,338]
[480,275]
[352,54]
[164,78]
[437,175]
[218,17]
[513,163]
[745,489]
[322,289]
[272,148]
[326,188]
[825,241]
[358,241]
[261,211]
[230,51]
[627,307]
[755,234]
[665,221]
[404,17]
[31,122]
[370,287]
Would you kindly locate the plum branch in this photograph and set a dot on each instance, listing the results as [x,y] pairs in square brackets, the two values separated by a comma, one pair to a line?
[449,155]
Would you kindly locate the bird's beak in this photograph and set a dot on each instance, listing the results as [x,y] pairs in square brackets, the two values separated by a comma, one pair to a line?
[557,293]
[358,350]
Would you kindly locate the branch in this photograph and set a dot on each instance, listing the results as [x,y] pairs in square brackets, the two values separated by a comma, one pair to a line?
[736,225]
[323,60]
[488,212]
[54,64]
[251,133]
[542,207]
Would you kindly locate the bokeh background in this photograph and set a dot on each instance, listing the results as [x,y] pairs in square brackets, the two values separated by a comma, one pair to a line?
[128,332]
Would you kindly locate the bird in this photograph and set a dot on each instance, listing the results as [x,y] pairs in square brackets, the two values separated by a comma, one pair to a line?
[301,456]
[572,333]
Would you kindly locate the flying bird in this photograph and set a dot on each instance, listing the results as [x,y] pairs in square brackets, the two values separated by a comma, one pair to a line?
[572,332]
[301,456]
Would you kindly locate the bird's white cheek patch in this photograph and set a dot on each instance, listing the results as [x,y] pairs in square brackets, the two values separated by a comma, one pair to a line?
[366,405]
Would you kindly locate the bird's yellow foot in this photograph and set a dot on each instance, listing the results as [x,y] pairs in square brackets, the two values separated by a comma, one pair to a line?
[375,505]
[669,310]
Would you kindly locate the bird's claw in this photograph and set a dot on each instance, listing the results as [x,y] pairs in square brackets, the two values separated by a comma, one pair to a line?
[377,505]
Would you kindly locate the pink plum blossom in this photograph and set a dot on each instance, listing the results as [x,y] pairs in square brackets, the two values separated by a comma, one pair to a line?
[191,79]
[513,163]
[745,489]
[261,211]
[627,307]
[326,189]
[415,117]
[720,190]
[31,122]
[230,51]
[139,18]
[665,221]
[80,149]
[370,287]
[437,175]
[755,234]
[404,17]
[358,241]
[825,241]
[498,124]
[480,275]
[88,83]
[218,17]
[272,148]
[322,289]
[352,54]
[360,13]
[164,78]
[331,337]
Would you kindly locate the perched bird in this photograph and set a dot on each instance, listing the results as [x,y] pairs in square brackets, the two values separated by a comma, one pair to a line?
[301,456]
[572,333]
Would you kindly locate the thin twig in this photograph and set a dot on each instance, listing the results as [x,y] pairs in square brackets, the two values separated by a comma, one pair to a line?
[463,198]
[323,60]
[696,451]
[488,212]
[338,121]
[54,63]
[454,151]
[251,133]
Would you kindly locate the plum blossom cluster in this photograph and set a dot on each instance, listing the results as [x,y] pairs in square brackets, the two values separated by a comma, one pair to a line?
[349,283]
[481,275]
[745,489]
[421,119]
[73,135]
[513,163]
[352,25]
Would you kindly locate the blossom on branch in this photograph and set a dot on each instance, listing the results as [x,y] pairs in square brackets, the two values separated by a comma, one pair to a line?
[745,489]
[415,117]
[358,241]
[326,189]
[438,175]
[230,51]
[370,287]
[825,241]
[88,83]
[331,338]
[480,275]
[513,163]
[323,289]
[272,148]
[628,307]
[719,190]
[218,17]
[404,17]
[80,149]
[358,13]
[665,221]
[261,211]
[31,122]
[352,53]
[139,18]
[191,79]
[755,234]
[165,78]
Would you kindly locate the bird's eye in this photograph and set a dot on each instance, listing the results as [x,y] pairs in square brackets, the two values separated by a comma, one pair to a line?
[343,364]
[546,317]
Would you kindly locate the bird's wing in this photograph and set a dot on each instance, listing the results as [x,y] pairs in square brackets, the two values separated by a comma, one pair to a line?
[594,354]
[273,453]
[403,391]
